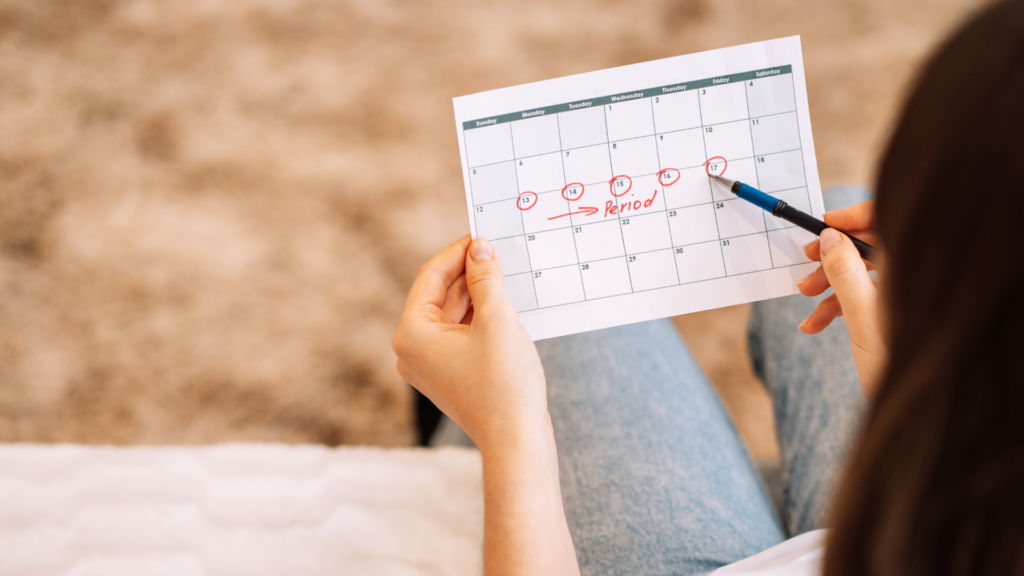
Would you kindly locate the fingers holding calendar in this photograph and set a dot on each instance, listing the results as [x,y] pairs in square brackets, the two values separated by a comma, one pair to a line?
[598,200]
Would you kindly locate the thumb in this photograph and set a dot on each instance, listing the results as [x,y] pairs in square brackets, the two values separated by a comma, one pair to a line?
[483,275]
[848,276]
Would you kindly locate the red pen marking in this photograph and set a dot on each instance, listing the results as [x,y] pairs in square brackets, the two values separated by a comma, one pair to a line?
[623,207]
[611,184]
[519,203]
[588,210]
[582,189]
[707,165]
[665,171]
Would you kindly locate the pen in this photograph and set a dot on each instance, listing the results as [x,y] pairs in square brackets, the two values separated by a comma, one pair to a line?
[780,209]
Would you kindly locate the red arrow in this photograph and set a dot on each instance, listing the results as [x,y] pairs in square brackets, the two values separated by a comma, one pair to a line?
[588,210]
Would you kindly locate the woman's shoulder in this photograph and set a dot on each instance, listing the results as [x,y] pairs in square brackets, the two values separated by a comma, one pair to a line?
[799,556]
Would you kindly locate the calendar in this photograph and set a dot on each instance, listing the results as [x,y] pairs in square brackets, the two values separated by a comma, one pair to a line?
[595,192]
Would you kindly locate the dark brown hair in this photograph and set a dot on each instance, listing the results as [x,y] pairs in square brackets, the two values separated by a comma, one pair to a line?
[936,483]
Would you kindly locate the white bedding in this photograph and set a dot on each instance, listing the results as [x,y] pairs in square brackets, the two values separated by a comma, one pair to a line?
[239,509]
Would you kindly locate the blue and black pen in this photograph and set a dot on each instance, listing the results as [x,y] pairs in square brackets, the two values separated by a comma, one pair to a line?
[780,209]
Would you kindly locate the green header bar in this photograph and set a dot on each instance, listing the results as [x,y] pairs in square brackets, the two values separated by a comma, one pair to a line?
[625,97]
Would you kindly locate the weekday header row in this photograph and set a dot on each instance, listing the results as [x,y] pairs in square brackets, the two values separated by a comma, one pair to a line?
[627,96]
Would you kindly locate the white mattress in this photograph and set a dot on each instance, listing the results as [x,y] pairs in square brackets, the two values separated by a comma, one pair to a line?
[239,509]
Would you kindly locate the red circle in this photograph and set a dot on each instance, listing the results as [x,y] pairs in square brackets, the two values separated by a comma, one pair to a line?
[707,165]
[582,190]
[663,171]
[531,205]
[611,184]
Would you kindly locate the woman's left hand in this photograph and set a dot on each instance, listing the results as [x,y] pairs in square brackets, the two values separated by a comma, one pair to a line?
[461,344]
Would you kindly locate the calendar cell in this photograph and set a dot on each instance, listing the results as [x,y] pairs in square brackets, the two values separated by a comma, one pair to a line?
[540,173]
[770,95]
[599,241]
[740,170]
[646,233]
[573,191]
[598,197]
[494,182]
[723,103]
[489,144]
[535,136]
[699,262]
[644,197]
[558,286]
[683,149]
[581,128]
[636,157]
[796,198]
[498,220]
[787,246]
[746,254]
[520,291]
[778,133]
[552,249]
[782,171]
[590,165]
[692,188]
[731,140]
[514,257]
[629,119]
[676,111]
[548,206]
[653,270]
[693,225]
[606,278]
[738,218]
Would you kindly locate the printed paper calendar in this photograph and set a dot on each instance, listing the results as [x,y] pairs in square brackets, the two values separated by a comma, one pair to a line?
[594,188]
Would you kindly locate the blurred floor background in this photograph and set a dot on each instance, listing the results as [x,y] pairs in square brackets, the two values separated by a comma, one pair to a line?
[211,211]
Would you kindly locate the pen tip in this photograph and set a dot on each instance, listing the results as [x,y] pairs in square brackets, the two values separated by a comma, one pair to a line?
[722,181]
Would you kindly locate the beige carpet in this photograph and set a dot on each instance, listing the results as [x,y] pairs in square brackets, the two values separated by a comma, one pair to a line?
[210,212]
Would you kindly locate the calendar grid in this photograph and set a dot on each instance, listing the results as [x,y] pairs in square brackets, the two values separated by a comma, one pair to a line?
[653,289]
[589,184]
[645,252]
[704,141]
[628,139]
[533,284]
[637,260]
[565,178]
[757,177]
[787,226]
[672,240]
[611,163]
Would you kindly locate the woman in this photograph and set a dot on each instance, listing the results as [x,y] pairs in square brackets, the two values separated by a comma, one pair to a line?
[652,475]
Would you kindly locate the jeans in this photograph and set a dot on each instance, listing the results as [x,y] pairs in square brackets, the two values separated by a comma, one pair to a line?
[655,479]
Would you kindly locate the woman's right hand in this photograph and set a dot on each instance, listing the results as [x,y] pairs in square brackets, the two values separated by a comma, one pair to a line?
[856,297]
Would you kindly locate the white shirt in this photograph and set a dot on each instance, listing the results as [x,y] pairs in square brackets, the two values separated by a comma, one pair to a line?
[800,556]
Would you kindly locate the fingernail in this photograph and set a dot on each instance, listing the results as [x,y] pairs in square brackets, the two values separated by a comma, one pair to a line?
[804,323]
[829,239]
[481,251]
[811,243]
[805,278]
